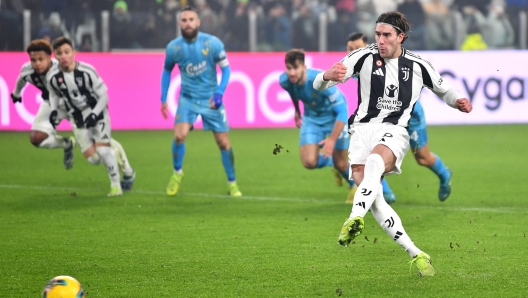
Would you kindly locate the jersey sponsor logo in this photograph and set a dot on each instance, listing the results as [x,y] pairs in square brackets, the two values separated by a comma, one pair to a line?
[388,104]
[79,81]
[378,72]
[197,69]
[205,51]
[391,91]
[405,73]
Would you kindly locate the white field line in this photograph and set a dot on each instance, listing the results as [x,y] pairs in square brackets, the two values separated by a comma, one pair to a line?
[266,198]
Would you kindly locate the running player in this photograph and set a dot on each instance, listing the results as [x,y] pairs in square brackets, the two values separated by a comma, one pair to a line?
[197,55]
[323,122]
[43,134]
[85,97]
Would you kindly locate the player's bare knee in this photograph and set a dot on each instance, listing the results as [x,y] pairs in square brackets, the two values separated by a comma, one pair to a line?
[180,137]
[309,163]
[341,165]
[37,137]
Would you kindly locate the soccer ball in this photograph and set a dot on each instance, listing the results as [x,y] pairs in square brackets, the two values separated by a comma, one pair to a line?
[63,287]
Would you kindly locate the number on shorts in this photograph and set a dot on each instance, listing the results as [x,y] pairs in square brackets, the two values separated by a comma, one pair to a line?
[102,126]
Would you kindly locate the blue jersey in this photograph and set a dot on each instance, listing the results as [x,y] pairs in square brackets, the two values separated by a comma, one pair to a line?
[417,120]
[320,107]
[197,61]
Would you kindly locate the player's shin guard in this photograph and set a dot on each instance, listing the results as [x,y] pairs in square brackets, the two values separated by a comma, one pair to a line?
[324,162]
[440,170]
[127,169]
[178,151]
[228,160]
[346,175]
[55,141]
[109,160]
[389,220]
[369,187]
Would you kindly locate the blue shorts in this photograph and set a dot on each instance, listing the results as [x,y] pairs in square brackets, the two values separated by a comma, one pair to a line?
[188,111]
[418,138]
[312,133]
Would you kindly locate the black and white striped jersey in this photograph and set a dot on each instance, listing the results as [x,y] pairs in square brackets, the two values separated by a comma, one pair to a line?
[82,89]
[389,88]
[28,75]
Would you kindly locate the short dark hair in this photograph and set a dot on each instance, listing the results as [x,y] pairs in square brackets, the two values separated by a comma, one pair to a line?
[38,45]
[397,20]
[294,55]
[189,8]
[60,41]
[357,35]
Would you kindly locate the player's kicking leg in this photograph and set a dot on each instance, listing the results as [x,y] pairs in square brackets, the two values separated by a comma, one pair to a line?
[426,158]
[44,135]
[129,175]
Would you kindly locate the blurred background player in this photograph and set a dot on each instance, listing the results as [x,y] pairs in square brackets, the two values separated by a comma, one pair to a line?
[85,96]
[417,132]
[43,134]
[197,55]
[323,122]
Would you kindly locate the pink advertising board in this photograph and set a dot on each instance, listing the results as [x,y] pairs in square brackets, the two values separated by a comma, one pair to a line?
[496,82]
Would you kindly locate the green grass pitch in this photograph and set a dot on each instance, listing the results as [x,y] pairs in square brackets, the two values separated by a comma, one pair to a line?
[280,239]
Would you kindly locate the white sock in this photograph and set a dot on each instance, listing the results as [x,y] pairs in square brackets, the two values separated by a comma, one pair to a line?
[178,171]
[368,188]
[94,159]
[109,160]
[389,220]
[55,141]
[127,169]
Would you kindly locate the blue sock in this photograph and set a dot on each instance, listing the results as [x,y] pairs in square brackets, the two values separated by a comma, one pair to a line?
[345,175]
[324,162]
[228,159]
[440,170]
[386,188]
[178,151]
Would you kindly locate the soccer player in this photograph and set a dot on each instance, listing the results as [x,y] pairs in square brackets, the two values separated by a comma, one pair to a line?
[197,55]
[85,96]
[323,122]
[390,81]
[417,132]
[43,134]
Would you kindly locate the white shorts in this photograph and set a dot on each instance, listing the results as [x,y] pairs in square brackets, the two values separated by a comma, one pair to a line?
[366,136]
[100,133]
[42,123]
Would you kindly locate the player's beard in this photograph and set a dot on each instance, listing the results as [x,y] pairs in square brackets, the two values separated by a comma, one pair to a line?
[190,36]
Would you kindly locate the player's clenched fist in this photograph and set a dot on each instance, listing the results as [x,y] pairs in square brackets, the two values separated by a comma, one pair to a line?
[464,105]
[336,73]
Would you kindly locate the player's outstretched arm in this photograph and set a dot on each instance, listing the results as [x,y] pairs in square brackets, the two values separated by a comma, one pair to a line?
[16,96]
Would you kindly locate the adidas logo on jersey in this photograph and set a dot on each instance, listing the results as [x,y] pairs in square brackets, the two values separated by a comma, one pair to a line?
[378,72]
